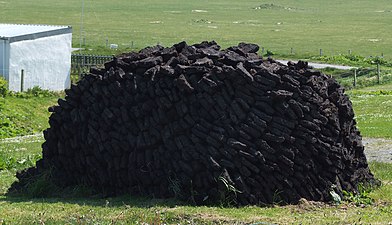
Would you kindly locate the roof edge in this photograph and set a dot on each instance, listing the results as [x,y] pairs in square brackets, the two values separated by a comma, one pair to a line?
[64,30]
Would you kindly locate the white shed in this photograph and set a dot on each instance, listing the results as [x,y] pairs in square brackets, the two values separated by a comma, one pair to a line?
[35,55]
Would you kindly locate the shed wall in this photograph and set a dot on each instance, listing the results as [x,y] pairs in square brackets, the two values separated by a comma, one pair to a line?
[4,58]
[46,63]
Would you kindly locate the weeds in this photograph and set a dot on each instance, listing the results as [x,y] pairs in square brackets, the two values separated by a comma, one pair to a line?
[375,93]
[36,92]
[12,163]
[228,196]
[366,77]
[352,60]
[276,198]
[269,53]
[3,87]
[175,186]
[361,198]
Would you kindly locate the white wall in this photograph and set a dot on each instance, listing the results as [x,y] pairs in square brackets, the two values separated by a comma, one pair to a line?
[46,63]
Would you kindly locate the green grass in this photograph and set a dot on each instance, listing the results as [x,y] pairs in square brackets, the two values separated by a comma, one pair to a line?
[373,114]
[16,154]
[23,116]
[366,78]
[304,25]
[125,210]
[384,87]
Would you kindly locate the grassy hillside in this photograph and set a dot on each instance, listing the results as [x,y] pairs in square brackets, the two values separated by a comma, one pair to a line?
[23,116]
[305,25]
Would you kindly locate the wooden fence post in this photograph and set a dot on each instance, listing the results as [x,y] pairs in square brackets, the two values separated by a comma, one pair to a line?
[321,52]
[378,73]
[21,80]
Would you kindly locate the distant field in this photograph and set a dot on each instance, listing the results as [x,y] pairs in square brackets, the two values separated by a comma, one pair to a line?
[364,26]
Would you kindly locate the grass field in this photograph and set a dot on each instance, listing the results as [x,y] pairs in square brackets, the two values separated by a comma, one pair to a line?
[364,26]
[373,114]
[305,25]
[373,109]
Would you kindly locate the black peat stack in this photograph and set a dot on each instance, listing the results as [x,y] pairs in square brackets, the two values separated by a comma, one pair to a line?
[206,125]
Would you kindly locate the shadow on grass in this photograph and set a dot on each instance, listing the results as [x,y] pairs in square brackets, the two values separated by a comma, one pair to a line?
[45,187]
[40,188]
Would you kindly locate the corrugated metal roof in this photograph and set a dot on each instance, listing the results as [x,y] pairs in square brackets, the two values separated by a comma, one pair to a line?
[21,32]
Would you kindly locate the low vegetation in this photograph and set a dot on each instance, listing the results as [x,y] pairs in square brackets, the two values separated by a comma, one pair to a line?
[24,113]
[366,78]
[373,114]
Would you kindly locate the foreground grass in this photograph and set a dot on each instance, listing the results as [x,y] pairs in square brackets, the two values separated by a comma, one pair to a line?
[133,210]
[306,25]
[126,209]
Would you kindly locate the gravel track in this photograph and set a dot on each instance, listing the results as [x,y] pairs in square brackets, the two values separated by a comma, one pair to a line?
[378,149]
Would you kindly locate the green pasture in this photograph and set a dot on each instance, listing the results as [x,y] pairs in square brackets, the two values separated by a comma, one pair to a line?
[306,26]
[363,26]
[373,114]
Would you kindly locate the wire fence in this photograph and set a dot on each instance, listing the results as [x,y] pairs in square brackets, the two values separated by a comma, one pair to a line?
[82,63]
[357,77]
[362,77]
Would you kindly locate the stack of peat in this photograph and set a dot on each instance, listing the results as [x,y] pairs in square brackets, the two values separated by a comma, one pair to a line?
[207,125]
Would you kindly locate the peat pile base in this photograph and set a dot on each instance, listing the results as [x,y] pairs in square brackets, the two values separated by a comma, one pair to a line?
[206,125]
